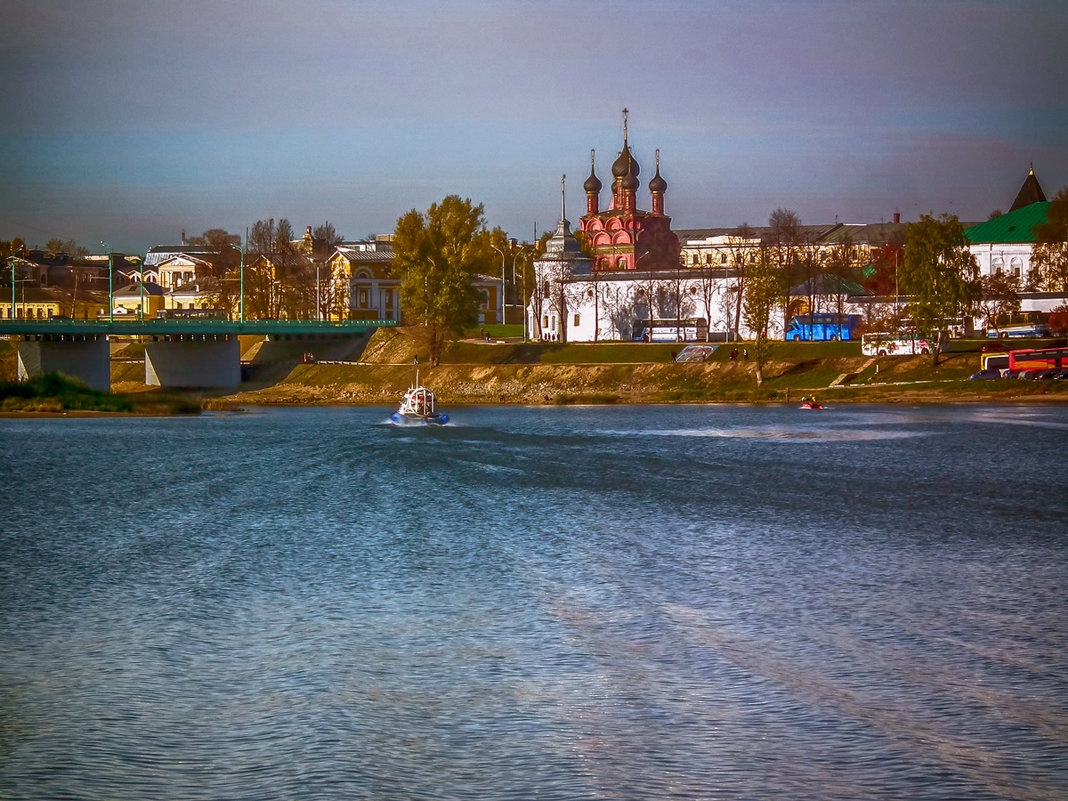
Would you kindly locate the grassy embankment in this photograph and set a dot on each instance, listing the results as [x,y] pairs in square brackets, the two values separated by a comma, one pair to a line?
[502,371]
[512,372]
[52,393]
[56,394]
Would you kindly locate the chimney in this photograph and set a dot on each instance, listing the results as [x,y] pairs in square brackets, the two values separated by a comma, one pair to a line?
[183,236]
[897,218]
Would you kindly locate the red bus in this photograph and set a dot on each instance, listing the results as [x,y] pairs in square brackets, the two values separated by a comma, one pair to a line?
[1040,358]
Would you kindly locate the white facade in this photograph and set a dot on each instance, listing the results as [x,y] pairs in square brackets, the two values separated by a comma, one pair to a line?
[1011,258]
[179,270]
[616,305]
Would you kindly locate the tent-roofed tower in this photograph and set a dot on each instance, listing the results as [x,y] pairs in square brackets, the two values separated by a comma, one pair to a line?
[1030,192]
[624,237]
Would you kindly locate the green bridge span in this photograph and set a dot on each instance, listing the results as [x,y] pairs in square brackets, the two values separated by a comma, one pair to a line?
[191,327]
[201,352]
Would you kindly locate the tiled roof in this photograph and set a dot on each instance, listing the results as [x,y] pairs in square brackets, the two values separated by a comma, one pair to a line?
[812,232]
[1008,228]
[363,256]
[134,290]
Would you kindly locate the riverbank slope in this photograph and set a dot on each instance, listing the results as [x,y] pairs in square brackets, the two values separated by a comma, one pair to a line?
[477,372]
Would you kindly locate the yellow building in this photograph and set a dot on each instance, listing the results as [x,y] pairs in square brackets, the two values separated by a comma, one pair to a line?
[130,299]
[361,284]
[43,303]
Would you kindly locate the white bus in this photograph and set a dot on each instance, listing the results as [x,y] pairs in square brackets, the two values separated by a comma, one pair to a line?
[886,344]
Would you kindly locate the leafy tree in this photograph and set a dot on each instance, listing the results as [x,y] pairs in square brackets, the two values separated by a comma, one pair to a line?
[10,248]
[1000,298]
[1058,320]
[68,246]
[761,295]
[939,274]
[229,257]
[216,238]
[1050,253]
[880,278]
[327,235]
[437,255]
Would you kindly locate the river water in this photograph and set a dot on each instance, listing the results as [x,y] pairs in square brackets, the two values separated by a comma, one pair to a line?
[692,602]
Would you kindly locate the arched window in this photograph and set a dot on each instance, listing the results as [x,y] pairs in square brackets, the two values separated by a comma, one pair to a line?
[997,264]
[1017,266]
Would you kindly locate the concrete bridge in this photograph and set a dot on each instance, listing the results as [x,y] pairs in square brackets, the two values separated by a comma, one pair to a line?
[199,352]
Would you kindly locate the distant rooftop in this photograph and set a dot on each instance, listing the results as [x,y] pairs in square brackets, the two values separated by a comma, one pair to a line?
[1014,227]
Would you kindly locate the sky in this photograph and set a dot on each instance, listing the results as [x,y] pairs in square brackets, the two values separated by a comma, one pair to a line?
[127,122]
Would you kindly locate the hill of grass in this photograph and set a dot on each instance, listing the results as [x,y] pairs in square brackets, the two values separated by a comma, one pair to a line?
[478,372]
[53,393]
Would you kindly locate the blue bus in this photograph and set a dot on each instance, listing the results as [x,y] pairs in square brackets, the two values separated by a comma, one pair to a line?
[822,327]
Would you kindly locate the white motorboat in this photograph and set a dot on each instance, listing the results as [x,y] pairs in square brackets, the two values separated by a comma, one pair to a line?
[419,406]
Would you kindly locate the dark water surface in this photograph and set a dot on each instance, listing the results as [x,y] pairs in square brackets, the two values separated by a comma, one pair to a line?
[609,603]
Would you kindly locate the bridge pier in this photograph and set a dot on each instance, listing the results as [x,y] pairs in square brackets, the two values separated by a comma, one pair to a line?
[85,357]
[193,360]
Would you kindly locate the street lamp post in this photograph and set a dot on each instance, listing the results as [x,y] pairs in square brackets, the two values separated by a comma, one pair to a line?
[111,283]
[502,280]
[519,293]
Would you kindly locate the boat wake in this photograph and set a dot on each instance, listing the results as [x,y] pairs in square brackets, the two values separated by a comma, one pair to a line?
[775,434]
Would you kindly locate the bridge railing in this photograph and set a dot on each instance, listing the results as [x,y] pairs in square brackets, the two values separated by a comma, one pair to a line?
[188,326]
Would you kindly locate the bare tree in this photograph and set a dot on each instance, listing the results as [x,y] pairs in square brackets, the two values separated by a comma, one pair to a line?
[785,237]
[740,246]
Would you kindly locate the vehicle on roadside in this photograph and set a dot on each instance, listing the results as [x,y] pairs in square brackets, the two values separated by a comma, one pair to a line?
[822,327]
[1038,358]
[889,344]
[1031,374]
[1020,330]
[983,375]
[993,361]
[693,330]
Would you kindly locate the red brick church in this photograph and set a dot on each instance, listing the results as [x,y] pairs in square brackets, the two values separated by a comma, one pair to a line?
[623,237]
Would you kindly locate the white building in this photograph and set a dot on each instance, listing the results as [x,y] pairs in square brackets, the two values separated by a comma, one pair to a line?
[1004,244]
[573,303]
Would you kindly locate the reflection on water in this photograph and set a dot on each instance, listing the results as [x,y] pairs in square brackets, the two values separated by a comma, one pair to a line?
[555,603]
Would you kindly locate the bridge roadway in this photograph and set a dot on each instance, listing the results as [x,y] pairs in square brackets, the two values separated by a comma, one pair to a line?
[206,326]
[201,352]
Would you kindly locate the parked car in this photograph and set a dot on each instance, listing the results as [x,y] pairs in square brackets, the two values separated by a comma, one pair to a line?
[982,375]
[1032,374]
